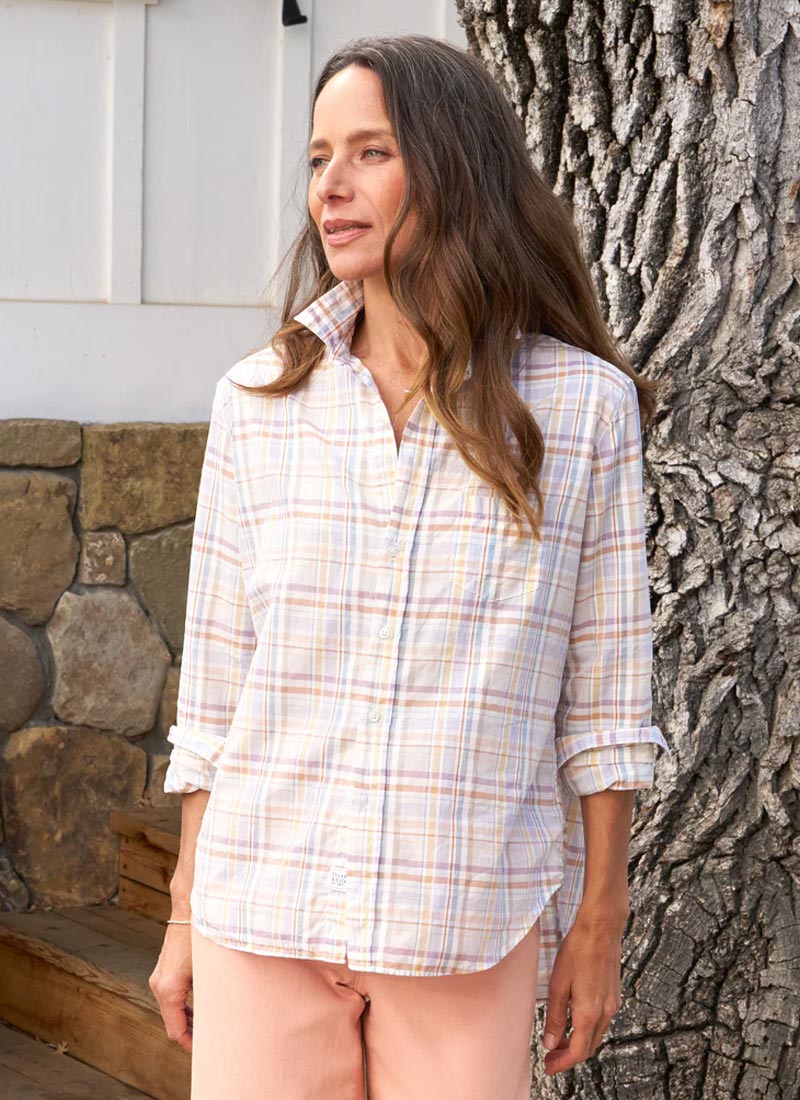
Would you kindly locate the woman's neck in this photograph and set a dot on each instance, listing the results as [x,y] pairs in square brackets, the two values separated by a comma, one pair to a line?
[383,337]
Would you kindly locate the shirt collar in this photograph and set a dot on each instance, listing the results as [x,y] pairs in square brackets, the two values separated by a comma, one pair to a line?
[332,316]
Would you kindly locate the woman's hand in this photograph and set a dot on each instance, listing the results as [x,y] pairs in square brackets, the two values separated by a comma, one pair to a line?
[586,977]
[171,981]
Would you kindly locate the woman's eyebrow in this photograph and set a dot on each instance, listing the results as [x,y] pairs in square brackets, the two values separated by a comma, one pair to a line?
[355,135]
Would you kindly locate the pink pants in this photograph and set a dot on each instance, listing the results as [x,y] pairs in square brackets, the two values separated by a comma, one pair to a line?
[273,1028]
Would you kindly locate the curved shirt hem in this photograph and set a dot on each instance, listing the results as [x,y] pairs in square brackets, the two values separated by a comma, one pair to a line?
[543,895]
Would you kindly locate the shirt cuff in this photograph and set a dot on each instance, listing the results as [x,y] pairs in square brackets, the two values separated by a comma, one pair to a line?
[610,767]
[187,772]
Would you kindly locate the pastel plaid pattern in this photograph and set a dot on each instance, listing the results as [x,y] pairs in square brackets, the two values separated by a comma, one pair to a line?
[395,703]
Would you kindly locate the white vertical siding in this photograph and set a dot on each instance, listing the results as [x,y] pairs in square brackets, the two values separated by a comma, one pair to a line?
[54,126]
[152,176]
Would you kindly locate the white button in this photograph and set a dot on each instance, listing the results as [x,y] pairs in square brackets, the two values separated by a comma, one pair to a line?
[374,715]
[384,632]
[391,549]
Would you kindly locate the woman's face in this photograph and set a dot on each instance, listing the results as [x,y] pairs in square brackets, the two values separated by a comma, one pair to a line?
[355,178]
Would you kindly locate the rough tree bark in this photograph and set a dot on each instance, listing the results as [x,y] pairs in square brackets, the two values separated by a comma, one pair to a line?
[673,127]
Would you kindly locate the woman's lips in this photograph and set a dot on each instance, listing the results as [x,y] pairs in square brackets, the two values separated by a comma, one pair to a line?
[342,236]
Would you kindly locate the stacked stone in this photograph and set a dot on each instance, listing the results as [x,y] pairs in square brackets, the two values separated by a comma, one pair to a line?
[96,524]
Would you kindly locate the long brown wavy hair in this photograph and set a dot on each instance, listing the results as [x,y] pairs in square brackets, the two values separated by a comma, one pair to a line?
[494,250]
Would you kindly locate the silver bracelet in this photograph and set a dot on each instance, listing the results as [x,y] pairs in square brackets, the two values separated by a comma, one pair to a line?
[179,922]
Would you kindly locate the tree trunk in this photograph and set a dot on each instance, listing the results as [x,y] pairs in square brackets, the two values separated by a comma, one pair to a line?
[674,128]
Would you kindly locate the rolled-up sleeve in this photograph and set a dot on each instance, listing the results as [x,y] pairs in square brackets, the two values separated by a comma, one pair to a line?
[605,705]
[611,767]
[187,771]
[219,634]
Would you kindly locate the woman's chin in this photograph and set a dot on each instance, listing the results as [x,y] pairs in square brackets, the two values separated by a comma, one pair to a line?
[353,267]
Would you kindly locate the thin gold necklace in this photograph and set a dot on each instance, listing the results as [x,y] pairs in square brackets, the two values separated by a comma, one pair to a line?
[361,357]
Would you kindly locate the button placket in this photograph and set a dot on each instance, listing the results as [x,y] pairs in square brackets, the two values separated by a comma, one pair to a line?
[413,472]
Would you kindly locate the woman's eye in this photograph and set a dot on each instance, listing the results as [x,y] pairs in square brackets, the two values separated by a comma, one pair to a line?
[312,164]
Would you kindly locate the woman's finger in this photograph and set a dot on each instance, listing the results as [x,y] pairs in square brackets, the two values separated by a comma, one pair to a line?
[555,1024]
[176,1024]
[577,1048]
[603,1022]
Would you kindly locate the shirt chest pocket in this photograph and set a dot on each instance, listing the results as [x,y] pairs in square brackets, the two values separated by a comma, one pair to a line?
[490,560]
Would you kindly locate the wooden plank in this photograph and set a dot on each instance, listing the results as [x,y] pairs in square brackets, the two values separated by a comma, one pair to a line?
[93,957]
[93,1016]
[142,862]
[31,1069]
[125,924]
[161,828]
[143,899]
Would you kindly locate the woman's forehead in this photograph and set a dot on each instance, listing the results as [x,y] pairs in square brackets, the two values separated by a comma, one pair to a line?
[356,90]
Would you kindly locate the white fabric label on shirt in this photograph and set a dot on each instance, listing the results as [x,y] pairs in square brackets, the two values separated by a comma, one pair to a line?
[337,878]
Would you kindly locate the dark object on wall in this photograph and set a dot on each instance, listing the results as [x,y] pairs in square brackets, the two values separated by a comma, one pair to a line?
[291,14]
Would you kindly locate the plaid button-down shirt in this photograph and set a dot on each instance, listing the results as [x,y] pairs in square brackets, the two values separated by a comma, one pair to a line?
[395,704]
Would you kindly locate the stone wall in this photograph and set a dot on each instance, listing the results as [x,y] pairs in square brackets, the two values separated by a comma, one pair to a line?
[96,526]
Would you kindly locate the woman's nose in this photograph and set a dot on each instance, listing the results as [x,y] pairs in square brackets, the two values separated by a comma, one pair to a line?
[333,180]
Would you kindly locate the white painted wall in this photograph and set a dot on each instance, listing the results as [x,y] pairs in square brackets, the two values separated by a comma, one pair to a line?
[149,185]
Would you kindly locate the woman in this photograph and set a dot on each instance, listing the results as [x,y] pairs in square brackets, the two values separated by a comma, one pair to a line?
[415,695]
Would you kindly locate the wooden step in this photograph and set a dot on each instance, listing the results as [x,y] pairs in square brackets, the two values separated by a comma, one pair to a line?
[78,977]
[148,852]
[31,1069]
